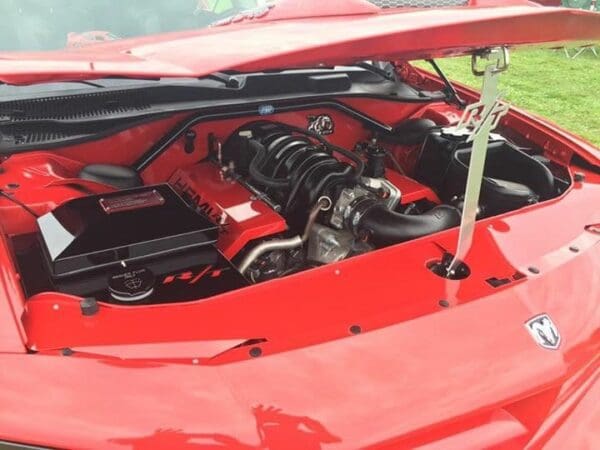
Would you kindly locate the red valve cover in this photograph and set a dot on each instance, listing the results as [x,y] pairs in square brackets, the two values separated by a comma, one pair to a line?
[242,217]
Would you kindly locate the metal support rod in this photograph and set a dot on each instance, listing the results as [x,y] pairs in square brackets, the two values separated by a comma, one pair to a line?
[477,122]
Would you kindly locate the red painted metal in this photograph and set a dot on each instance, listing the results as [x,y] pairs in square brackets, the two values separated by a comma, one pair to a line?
[412,353]
[42,181]
[462,376]
[182,376]
[380,35]
[347,132]
[446,362]
[411,190]
[241,215]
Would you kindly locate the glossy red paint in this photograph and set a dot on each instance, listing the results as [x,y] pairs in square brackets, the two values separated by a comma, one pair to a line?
[437,369]
[189,376]
[495,255]
[242,216]
[42,181]
[460,376]
[412,191]
[264,44]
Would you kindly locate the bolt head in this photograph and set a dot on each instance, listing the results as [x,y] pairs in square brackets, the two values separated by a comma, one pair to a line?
[255,352]
[355,329]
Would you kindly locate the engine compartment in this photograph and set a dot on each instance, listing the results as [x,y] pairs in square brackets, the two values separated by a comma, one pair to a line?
[272,198]
[336,203]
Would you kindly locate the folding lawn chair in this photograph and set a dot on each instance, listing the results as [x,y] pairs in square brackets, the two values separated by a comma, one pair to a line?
[590,5]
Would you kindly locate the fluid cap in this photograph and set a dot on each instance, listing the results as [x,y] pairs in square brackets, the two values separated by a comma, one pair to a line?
[131,285]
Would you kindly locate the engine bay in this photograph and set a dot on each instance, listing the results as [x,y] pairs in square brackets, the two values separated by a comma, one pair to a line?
[266,199]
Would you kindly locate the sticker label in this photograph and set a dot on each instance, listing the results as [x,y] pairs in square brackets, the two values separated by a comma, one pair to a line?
[322,124]
[131,202]
[265,110]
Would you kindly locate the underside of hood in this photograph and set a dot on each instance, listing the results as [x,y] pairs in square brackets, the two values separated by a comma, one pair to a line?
[316,36]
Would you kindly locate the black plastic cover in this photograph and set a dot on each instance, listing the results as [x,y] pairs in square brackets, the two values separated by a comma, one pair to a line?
[127,226]
[120,177]
[187,276]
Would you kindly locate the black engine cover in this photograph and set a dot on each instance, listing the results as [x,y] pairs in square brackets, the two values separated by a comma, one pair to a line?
[139,246]
[128,227]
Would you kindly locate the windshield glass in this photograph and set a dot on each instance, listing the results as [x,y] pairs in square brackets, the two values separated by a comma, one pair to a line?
[34,25]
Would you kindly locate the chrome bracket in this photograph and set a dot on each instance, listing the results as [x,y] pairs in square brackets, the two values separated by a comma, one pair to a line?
[477,122]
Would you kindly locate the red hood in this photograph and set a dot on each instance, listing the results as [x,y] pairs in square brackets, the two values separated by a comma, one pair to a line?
[286,37]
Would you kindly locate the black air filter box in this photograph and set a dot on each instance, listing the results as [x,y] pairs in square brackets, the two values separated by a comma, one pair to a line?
[124,228]
[436,155]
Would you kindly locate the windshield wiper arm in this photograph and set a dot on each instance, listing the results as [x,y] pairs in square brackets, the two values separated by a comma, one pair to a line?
[450,90]
[230,81]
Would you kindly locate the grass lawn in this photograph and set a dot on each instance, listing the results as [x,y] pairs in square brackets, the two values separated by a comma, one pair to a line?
[546,83]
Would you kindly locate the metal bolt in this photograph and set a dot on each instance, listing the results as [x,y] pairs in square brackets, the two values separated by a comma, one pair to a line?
[255,352]
[67,352]
[89,306]
[355,329]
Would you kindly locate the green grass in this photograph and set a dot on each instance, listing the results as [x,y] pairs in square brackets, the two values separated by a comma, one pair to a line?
[545,82]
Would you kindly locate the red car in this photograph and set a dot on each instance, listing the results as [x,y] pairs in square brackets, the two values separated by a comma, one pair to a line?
[276,233]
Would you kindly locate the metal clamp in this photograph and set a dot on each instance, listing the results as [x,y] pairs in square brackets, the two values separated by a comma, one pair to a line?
[499,55]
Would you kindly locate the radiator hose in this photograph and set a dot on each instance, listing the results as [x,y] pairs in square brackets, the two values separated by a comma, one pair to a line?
[385,227]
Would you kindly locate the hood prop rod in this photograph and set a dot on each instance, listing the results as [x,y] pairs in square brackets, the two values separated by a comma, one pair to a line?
[450,91]
[477,122]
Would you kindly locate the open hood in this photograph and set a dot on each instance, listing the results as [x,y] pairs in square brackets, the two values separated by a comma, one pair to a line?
[287,36]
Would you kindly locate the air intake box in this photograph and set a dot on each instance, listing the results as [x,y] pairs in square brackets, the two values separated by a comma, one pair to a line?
[122,228]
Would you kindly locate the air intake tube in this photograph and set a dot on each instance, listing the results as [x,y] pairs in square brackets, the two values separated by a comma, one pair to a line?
[385,227]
